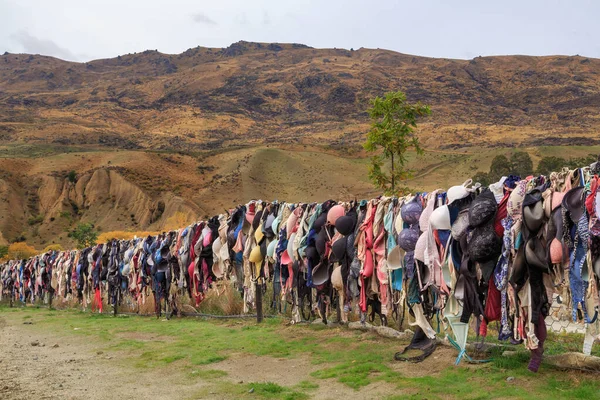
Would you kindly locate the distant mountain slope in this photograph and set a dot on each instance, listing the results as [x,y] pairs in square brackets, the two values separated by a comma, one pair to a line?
[156,138]
[280,93]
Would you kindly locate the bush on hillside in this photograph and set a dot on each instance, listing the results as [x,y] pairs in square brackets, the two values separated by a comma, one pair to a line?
[38,219]
[72,176]
[21,250]
[500,167]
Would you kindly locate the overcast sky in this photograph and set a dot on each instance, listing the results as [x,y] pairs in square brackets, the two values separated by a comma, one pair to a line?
[82,30]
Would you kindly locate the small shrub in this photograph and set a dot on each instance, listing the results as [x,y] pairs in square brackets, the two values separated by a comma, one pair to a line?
[72,176]
[35,220]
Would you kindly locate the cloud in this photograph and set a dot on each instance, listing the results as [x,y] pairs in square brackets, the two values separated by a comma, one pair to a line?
[203,19]
[34,45]
[266,19]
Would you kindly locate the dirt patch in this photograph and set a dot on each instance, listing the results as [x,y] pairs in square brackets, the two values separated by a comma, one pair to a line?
[431,366]
[74,369]
[290,372]
[79,368]
[331,389]
[283,371]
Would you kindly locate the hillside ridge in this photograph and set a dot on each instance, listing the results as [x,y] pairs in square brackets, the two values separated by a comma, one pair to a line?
[153,136]
[251,93]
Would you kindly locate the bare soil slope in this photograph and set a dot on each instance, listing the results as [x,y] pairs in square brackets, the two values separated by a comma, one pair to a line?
[151,136]
[255,93]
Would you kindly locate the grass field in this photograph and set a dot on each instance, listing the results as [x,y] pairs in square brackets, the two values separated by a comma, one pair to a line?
[240,359]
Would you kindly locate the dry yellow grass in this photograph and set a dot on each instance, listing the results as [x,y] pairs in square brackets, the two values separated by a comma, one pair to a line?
[21,250]
[123,235]
[222,299]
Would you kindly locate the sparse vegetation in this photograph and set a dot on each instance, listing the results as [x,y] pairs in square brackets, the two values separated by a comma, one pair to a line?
[38,219]
[20,238]
[205,168]
[521,164]
[356,363]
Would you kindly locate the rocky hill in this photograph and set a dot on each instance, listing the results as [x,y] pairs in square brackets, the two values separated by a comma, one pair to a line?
[149,135]
[280,93]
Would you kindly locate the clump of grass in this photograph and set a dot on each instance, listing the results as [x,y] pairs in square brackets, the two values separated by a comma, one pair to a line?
[268,387]
[205,360]
[222,299]
[146,307]
[357,375]
[207,374]
[273,390]
[519,360]
[307,385]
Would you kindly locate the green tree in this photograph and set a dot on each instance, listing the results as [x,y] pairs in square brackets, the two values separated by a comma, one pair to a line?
[84,234]
[550,164]
[578,162]
[393,121]
[521,164]
[482,178]
[500,167]
[3,252]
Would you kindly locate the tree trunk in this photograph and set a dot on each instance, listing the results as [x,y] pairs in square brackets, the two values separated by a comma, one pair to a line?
[393,183]
[259,306]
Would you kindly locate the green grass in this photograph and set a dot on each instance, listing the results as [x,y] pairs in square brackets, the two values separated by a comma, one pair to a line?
[195,347]
[208,374]
[358,374]
[307,385]
[273,390]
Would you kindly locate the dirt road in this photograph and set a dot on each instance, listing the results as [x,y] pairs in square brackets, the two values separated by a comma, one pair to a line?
[38,365]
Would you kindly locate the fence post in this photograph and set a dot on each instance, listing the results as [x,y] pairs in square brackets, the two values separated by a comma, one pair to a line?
[259,307]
